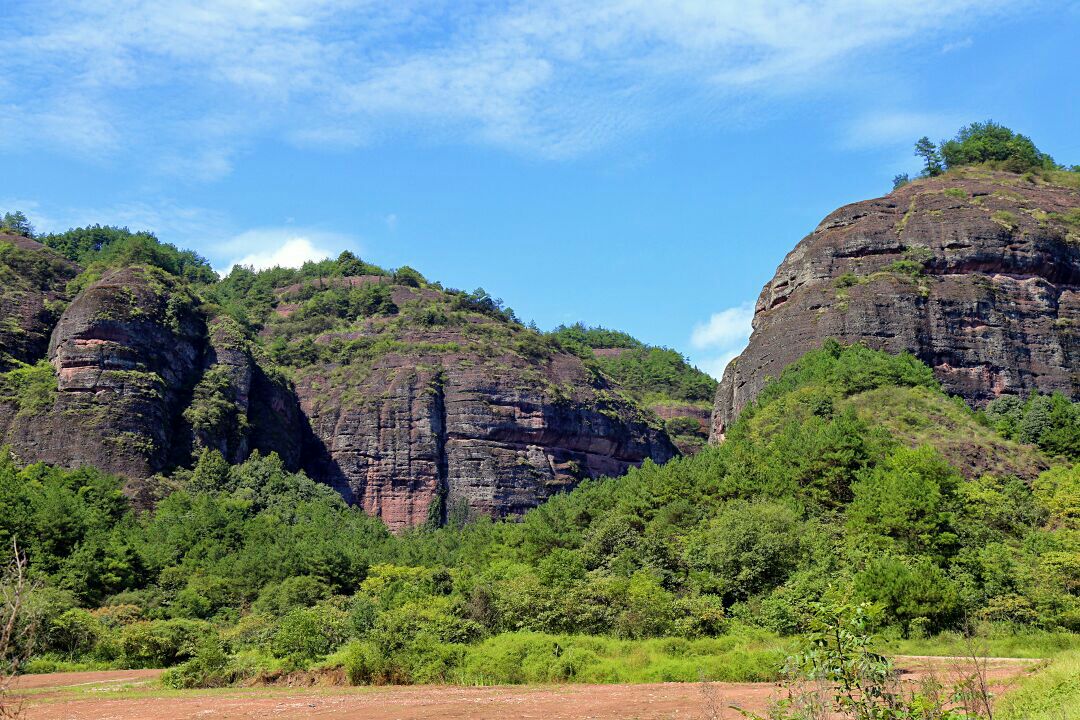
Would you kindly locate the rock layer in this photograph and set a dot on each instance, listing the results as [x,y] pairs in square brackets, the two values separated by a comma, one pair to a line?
[975,273]
[425,436]
[126,353]
[428,410]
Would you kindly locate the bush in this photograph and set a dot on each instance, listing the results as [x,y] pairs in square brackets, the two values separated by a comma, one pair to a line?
[306,634]
[209,667]
[161,643]
[300,591]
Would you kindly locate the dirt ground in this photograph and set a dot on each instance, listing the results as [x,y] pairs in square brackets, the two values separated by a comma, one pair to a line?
[127,695]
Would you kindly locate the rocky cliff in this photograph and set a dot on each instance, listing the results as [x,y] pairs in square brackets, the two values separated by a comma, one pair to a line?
[977,273]
[433,409]
[33,282]
[416,403]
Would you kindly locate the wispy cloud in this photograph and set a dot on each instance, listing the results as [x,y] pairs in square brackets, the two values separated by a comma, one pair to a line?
[186,84]
[883,129]
[955,45]
[723,336]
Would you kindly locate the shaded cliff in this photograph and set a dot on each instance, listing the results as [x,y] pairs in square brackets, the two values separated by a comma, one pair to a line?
[975,272]
[33,282]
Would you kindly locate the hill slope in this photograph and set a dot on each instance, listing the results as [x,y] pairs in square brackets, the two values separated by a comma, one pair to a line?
[411,400]
[976,272]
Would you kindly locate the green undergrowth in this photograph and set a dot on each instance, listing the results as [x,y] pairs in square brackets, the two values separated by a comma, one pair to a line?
[534,657]
[1052,693]
[31,387]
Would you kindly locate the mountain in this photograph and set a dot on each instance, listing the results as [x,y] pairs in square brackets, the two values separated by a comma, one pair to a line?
[413,401]
[976,272]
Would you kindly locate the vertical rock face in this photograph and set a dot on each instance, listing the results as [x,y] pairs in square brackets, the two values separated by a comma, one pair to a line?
[32,291]
[419,405]
[237,407]
[425,435]
[126,353]
[975,273]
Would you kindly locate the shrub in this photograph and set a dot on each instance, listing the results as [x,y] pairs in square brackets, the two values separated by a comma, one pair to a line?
[300,591]
[209,667]
[161,643]
[306,634]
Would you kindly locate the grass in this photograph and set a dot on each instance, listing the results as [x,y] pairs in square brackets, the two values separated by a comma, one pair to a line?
[918,416]
[1050,694]
[518,658]
[1014,645]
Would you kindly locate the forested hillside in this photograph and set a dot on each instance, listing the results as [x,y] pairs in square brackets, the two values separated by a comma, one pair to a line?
[412,400]
[820,492]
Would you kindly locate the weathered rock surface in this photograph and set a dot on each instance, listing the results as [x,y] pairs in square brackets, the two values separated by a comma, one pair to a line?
[414,415]
[434,429]
[237,407]
[32,290]
[976,273]
[126,353]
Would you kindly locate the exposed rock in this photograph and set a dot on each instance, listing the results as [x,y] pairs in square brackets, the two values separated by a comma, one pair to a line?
[687,424]
[237,407]
[976,273]
[126,353]
[32,293]
[423,409]
[424,433]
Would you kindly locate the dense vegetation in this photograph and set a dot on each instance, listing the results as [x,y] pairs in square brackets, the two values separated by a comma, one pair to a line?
[723,553]
[659,378]
[982,143]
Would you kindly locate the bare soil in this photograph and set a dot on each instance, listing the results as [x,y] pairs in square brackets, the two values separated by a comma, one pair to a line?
[127,695]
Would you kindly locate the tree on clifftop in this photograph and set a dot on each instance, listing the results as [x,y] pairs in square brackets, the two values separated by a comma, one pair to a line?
[926,149]
[16,223]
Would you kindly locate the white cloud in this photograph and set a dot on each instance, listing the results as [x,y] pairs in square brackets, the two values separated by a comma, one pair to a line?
[724,329]
[292,253]
[190,79]
[882,129]
[723,336]
[278,247]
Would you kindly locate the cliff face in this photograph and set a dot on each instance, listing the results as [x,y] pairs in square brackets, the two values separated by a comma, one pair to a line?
[125,354]
[416,423]
[976,273]
[423,436]
[420,407]
[33,282]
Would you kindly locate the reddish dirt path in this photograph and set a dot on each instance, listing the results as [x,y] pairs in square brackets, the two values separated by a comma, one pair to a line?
[85,696]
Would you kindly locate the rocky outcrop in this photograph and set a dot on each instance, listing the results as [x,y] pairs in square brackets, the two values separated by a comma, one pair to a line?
[976,273]
[429,405]
[431,430]
[237,407]
[33,282]
[126,353]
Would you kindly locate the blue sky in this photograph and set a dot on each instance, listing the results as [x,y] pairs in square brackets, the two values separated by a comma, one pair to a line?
[638,164]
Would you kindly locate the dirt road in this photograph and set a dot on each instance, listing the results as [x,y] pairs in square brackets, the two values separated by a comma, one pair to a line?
[128,695]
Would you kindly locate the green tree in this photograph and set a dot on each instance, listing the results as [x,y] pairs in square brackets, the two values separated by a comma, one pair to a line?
[16,223]
[989,141]
[926,149]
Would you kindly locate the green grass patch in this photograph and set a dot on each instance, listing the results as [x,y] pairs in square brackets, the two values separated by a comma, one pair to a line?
[520,658]
[1012,645]
[1052,693]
